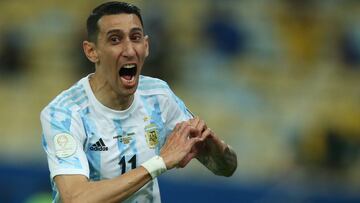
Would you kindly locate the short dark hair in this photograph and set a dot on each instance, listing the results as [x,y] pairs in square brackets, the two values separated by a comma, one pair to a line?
[109,8]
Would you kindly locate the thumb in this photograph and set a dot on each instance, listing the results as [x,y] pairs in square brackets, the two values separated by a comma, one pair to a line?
[187,159]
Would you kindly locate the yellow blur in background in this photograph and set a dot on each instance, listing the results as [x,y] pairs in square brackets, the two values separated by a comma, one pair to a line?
[278,80]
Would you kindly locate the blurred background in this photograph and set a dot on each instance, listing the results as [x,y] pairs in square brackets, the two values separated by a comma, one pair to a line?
[279,80]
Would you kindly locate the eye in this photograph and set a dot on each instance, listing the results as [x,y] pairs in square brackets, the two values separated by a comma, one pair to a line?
[136,37]
[114,39]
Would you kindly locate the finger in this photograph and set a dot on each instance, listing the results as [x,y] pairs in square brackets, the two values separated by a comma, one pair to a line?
[205,134]
[195,140]
[177,127]
[195,121]
[187,159]
[182,126]
[186,130]
[201,125]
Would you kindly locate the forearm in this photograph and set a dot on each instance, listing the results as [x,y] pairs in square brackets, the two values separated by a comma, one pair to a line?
[219,159]
[112,190]
[118,189]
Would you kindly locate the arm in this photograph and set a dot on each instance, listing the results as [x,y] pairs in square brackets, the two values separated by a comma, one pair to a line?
[77,188]
[213,153]
[217,156]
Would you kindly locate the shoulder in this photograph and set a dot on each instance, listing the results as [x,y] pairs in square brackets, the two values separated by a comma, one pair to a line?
[150,88]
[68,101]
[153,86]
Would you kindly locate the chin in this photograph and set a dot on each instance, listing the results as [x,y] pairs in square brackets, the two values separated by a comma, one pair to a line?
[128,91]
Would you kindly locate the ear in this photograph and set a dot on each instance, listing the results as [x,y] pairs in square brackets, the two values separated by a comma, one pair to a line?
[90,51]
[146,45]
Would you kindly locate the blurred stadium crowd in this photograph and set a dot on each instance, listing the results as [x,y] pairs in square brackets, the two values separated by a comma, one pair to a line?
[279,80]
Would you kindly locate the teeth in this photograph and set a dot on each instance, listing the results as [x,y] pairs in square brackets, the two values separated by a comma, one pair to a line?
[129,66]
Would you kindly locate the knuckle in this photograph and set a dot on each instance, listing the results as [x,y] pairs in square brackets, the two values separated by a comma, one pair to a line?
[184,123]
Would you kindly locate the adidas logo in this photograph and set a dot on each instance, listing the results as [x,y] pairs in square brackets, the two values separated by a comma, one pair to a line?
[99,146]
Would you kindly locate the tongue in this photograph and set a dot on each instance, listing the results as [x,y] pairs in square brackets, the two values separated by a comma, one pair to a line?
[127,77]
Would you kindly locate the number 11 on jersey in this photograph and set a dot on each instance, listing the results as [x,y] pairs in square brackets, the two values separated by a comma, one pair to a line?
[123,162]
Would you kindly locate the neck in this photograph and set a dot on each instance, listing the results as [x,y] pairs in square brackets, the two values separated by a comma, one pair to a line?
[107,96]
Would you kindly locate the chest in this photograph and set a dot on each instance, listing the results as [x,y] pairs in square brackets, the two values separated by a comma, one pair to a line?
[114,146]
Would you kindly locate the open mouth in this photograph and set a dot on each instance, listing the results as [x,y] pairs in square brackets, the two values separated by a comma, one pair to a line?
[128,71]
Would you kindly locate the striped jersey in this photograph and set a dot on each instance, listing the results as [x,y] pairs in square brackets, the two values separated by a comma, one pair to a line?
[82,136]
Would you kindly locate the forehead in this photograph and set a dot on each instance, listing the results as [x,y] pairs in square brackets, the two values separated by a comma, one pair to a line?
[124,22]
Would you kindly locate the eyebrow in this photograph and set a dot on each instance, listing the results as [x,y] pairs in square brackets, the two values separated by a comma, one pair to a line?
[116,31]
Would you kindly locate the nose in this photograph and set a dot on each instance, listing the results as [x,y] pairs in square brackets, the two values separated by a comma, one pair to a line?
[128,49]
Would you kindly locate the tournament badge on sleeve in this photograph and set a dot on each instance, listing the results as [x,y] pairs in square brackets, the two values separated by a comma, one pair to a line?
[65,145]
[151,135]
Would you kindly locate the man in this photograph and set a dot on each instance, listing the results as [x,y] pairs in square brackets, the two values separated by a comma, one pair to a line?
[110,135]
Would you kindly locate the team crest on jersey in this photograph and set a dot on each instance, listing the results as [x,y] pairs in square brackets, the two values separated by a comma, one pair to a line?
[151,135]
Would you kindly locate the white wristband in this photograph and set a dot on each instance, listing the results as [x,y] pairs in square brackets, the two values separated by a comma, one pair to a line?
[155,166]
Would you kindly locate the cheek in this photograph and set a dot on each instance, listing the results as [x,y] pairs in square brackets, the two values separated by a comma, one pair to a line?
[109,57]
[143,53]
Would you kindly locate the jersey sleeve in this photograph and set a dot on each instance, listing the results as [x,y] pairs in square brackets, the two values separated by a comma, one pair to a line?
[63,140]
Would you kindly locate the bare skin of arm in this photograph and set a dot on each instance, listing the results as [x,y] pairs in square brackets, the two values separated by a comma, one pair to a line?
[213,153]
[77,188]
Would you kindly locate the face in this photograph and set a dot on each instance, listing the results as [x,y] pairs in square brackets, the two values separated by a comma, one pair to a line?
[120,52]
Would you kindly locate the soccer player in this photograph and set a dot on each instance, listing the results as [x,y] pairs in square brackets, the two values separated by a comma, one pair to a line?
[111,134]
